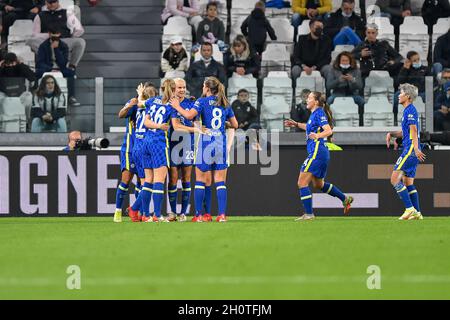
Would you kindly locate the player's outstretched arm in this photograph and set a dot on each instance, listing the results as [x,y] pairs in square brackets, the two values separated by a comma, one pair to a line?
[124,111]
[177,126]
[294,124]
[233,123]
[188,114]
[415,137]
[393,134]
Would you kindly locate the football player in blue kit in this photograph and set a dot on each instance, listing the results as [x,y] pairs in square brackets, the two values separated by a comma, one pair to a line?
[402,178]
[211,158]
[128,165]
[314,168]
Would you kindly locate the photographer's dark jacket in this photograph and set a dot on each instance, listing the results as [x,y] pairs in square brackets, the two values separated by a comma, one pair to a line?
[45,62]
[382,52]
[336,22]
[55,105]
[414,76]
[344,88]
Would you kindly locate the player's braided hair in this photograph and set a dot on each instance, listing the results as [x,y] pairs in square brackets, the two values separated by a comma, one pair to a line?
[322,99]
[168,88]
[217,89]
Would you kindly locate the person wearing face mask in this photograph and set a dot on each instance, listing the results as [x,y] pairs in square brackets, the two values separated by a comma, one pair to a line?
[204,68]
[49,107]
[308,9]
[412,72]
[441,114]
[240,61]
[344,26]
[344,80]
[12,76]
[312,51]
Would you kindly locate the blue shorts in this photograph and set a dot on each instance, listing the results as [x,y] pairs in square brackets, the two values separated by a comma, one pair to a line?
[127,162]
[156,154]
[182,152]
[318,164]
[407,163]
[137,159]
[212,156]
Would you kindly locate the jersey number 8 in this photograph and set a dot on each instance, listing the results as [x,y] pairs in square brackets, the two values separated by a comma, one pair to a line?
[216,122]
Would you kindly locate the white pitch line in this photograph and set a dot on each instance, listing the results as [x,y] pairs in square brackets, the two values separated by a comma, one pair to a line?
[260,280]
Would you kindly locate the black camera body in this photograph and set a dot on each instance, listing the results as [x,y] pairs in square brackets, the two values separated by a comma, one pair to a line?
[91,143]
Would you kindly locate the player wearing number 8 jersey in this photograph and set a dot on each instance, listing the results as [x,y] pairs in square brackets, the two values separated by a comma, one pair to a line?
[402,178]
[314,168]
[211,154]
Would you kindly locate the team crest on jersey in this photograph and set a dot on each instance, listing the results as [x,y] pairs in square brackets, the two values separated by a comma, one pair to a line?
[309,122]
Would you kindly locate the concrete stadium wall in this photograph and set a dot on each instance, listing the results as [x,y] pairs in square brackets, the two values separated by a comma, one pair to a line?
[57,184]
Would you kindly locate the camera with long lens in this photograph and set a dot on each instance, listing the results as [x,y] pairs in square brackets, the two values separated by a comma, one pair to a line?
[91,143]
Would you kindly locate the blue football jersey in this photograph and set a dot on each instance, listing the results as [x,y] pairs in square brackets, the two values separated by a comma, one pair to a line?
[186,104]
[315,124]
[159,113]
[141,130]
[410,117]
[128,139]
[212,115]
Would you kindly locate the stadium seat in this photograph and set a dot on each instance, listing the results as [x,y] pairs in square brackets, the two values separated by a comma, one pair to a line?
[12,115]
[275,58]
[304,28]
[217,54]
[413,35]
[340,48]
[277,100]
[310,83]
[24,54]
[378,112]
[177,26]
[237,83]
[345,112]
[320,82]
[441,27]
[284,31]
[423,56]
[235,28]
[379,84]
[20,32]
[243,4]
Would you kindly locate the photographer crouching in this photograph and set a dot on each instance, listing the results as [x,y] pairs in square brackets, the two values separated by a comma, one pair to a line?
[77,143]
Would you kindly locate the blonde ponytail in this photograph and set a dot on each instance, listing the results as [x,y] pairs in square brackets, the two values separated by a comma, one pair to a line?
[168,88]
[217,89]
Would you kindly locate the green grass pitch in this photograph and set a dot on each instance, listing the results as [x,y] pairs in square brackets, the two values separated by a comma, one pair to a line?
[246,258]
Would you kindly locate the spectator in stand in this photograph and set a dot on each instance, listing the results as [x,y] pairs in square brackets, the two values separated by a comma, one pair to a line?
[17,10]
[174,63]
[300,113]
[441,54]
[308,9]
[344,80]
[49,107]
[211,29]
[412,72]
[54,18]
[344,26]
[246,115]
[256,27]
[432,10]
[374,54]
[206,67]
[312,51]
[189,9]
[442,115]
[240,61]
[438,90]
[53,55]
[395,10]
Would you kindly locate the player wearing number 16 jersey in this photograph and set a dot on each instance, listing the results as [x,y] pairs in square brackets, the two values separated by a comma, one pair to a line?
[211,154]
[314,168]
[402,178]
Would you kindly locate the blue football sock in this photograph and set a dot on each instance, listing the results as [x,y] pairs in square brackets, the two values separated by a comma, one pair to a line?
[208,197]
[402,192]
[333,191]
[137,189]
[158,196]
[414,196]
[222,194]
[185,197]
[173,195]
[306,197]
[199,196]
[122,190]
[146,194]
